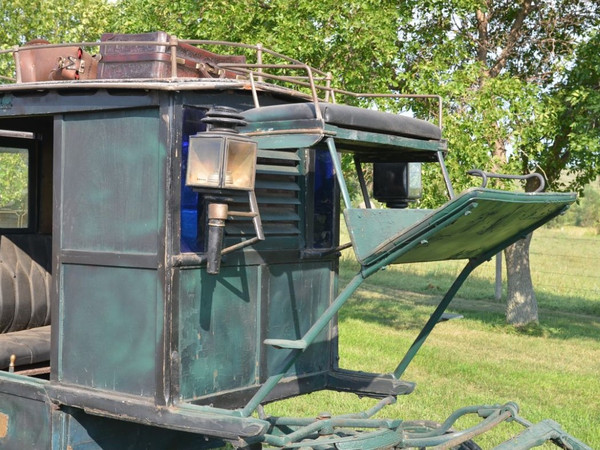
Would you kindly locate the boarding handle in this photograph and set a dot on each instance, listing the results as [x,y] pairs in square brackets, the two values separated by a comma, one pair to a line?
[486,175]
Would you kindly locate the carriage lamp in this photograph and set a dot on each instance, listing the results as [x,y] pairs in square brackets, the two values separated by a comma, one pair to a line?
[397,184]
[220,164]
[221,161]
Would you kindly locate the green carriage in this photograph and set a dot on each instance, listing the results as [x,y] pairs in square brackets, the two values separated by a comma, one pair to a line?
[173,265]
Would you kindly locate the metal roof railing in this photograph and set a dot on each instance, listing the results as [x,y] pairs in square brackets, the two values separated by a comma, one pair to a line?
[285,73]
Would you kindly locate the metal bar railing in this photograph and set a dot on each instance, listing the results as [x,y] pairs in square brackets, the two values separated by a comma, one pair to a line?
[316,81]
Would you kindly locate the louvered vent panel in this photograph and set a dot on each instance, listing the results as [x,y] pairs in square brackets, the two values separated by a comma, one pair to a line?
[278,196]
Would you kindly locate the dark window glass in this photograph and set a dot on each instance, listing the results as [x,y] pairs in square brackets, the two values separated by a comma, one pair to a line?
[192,206]
[324,198]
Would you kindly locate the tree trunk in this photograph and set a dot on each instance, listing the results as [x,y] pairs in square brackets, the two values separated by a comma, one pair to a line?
[521,304]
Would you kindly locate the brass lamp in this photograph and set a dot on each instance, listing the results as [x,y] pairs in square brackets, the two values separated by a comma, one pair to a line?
[217,160]
[220,163]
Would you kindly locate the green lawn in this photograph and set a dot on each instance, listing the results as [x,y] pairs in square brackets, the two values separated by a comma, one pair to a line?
[551,371]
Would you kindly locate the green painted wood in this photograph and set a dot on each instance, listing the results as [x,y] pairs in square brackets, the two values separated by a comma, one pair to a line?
[387,223]
[287,140]
[298,294]
[109,328]
[24,413]
[219,327]
[466,227]
[290,134]
[112,170]
[369,142]
[81,431]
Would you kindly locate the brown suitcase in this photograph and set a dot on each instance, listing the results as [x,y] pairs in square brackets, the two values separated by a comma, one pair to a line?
[37,62]
[154,60]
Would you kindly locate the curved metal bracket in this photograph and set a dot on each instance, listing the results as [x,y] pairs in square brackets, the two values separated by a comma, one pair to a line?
[486,175]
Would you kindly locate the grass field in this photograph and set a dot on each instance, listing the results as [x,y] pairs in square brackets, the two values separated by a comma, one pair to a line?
[551,371]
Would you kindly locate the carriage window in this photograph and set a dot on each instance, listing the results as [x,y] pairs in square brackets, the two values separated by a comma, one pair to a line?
[324,201]
[15,189]
[192,206]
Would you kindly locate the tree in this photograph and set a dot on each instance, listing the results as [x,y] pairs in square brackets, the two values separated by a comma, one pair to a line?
[513,105]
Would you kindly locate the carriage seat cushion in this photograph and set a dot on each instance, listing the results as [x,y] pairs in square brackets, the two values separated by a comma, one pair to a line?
[29,346]
[351,117]
[25,281]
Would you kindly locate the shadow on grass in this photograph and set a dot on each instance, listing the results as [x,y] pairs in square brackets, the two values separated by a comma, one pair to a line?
[405,301]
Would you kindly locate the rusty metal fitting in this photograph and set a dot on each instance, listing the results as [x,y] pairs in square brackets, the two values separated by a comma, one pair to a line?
[218,211]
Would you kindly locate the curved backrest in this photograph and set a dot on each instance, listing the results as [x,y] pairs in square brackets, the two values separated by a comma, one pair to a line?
[25,281]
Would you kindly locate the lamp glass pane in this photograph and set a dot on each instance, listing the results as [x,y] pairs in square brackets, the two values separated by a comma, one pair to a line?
[415,184]
[240,165]
[204,162]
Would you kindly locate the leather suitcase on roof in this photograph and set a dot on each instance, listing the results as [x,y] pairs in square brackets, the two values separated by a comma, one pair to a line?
[38,62]
[153,60]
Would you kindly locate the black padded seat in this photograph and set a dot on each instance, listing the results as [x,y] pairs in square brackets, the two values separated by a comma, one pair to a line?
[29,346]
[351,117]
[25,281]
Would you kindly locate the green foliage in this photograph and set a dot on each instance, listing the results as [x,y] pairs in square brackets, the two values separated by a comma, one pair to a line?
[586,212]
[499,67]
[13,180]
[56,21]
[326,34]
[577,141]
[511,105]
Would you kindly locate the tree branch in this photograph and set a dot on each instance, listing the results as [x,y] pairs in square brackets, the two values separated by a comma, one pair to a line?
[513,36]
[482,32]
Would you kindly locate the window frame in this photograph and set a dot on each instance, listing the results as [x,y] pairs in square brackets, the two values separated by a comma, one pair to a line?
[28,141]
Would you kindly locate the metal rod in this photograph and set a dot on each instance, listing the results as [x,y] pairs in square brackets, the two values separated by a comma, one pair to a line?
[173,47]
[440,157]
[256,220]
[449,440]
[217,215]
[328,92]
[17,134]
[434,319]
[239,245]
[498,287]
[308,338]
[33,372]
[313,90]
[371,411]
[17,58]
[361,182]
[338,171]
[484,426]
[444,427]
[486,175]
[254,94]
[259,59]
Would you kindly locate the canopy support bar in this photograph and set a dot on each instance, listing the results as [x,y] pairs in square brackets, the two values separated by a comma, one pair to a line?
[338,171]
[440,157]
[435,318]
